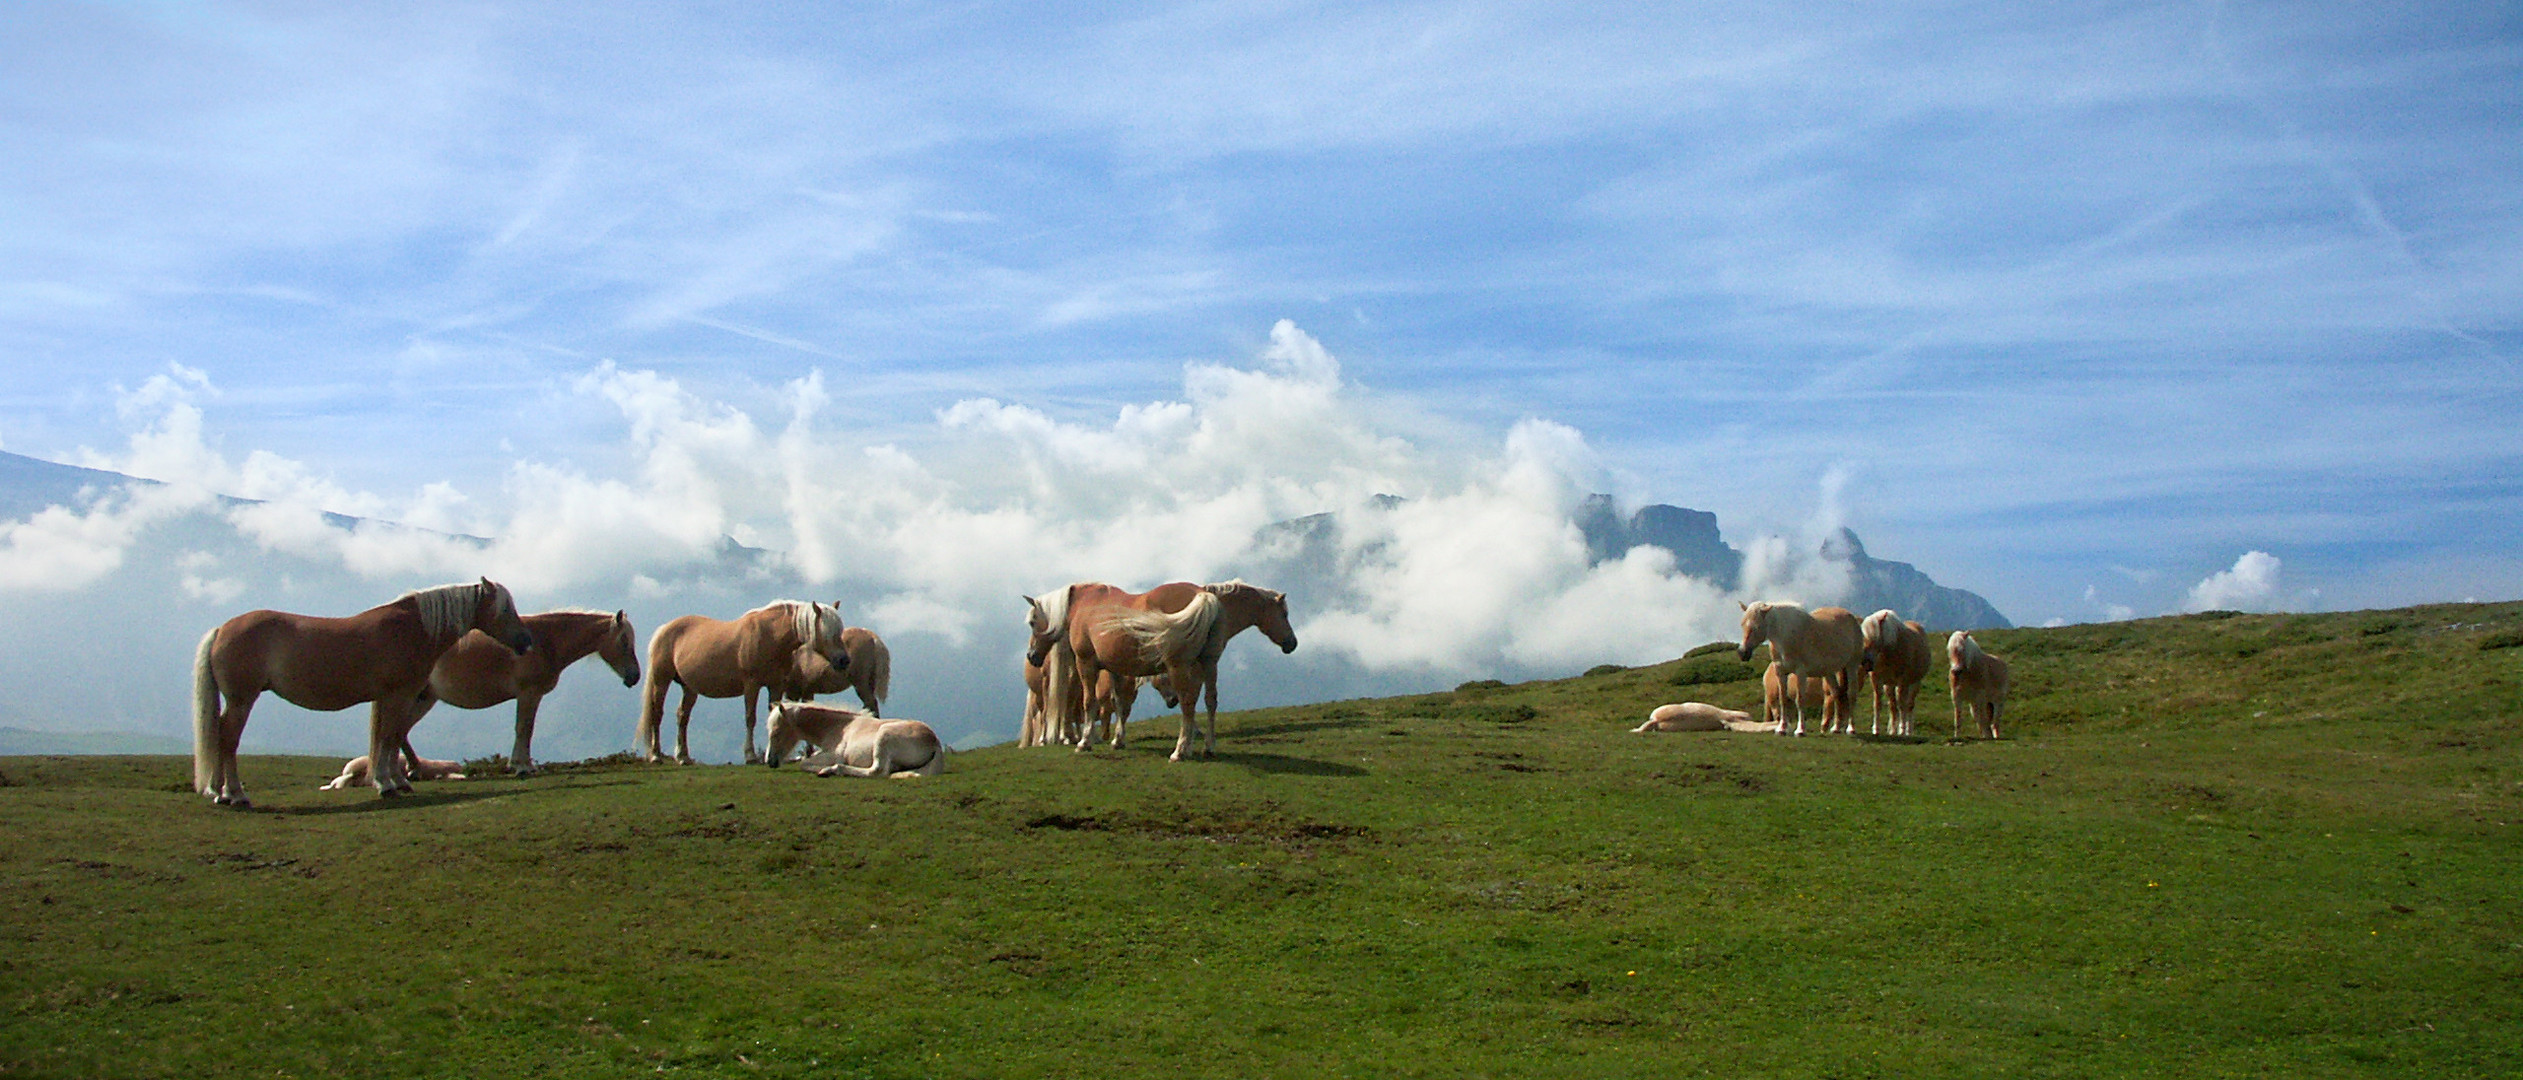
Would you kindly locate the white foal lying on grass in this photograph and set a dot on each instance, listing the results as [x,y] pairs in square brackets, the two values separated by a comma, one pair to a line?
[355,771]
[1700,716]
[853,743]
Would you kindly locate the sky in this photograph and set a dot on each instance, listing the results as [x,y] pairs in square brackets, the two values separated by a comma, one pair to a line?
[2099,310]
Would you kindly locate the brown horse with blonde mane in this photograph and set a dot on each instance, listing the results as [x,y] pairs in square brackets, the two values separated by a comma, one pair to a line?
[870,672]
[1176,631]
[742,657]
[1824,644]
[1897,659]
[382,656]
[478,673]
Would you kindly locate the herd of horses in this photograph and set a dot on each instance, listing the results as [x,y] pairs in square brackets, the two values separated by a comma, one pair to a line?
[1090,648]
[1819,657]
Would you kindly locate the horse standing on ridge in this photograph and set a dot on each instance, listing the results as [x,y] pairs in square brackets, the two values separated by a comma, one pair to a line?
[1898,656]
[1824,644]
[870,672]
[742,657]
[382,656]
[478,673]
[1979,683]
[1177,630]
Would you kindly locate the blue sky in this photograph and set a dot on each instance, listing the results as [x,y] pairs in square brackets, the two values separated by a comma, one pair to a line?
[2075,305]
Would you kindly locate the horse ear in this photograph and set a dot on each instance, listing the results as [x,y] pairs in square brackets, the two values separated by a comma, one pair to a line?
[1744,606]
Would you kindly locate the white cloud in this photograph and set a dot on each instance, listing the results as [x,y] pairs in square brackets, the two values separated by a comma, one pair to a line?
[2251,584]
[59,549]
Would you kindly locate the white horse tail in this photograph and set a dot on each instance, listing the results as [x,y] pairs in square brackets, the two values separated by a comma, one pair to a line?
[206,741]
[1059,707]
[1172,639]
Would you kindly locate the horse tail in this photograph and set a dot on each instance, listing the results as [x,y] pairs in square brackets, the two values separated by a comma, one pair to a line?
[206,740]
[1169,639]
[877,678]
[1060,705]
[661,674]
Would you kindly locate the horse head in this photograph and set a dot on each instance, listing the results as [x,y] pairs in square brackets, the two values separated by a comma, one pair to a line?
[1042,633]
[620,649]
[495,614]
[1274,621]
[1756,628]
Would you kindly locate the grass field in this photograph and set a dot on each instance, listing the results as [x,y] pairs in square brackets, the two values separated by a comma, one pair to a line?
[2209,846]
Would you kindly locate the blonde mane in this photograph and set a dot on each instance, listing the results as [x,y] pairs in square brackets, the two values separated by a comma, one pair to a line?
[809,619]
[446,611]
[1055,611]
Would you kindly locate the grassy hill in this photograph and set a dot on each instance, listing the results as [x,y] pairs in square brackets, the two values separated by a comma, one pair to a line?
[2210,846]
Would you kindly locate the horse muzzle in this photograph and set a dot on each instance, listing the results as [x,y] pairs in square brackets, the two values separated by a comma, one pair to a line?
[1743,653]
[1288,647]
[521,642]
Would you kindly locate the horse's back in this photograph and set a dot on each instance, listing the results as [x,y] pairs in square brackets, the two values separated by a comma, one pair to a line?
[320,662]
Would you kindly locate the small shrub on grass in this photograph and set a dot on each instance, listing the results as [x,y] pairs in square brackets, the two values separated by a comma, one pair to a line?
[1604,669]
[1477,685]
[1711,647]
[1494,714]
[1713,669]
[2502,640]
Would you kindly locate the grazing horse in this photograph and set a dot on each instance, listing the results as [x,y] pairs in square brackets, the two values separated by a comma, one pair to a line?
[870,672]
[743,657]
[1176,630]
[1979,683]
[382,656]
[478,673]
[854,743]
[1897,653]
[1824,644]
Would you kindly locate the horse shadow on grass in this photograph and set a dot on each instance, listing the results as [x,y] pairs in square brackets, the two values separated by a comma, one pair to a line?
[1283,765]
[1293,727]
[420,799]
[1897,740]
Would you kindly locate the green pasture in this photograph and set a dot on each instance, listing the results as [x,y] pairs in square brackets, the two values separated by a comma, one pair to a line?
[2208,846]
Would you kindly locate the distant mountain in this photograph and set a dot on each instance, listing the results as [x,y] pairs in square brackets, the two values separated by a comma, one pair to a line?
[1691,535]
[1307,553]
[28,485]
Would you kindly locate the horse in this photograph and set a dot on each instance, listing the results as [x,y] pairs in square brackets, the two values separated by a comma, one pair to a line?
[1177,630]
[1041,712]
[382,656]
[1824,644]
[1775,688]
[478,673]
[1979,683]
[355,771]
[1697,716]
[854,743]
[1897,655]
[742,657]
[870,672]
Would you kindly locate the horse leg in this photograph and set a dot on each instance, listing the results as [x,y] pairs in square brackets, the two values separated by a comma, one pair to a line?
[385,747]
[227,786]
[1209,686]
[521,757]
[683,727]
[752,756]
[646,736]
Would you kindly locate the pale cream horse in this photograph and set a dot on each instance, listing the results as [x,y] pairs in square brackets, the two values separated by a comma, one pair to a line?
[756,652]
[854,743]
[1979,683]
[1897,657]
[1825,644]
[1699,716]
[355,771]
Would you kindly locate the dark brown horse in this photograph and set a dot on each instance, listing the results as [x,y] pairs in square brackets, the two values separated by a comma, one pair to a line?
[479,672]
[1175,631]
[382,656]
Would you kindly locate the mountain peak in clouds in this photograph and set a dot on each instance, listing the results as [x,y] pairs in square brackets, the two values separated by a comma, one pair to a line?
[1699,551]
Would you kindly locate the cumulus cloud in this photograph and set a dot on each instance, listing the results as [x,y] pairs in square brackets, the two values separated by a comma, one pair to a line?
[1451,552]
[2251,584]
